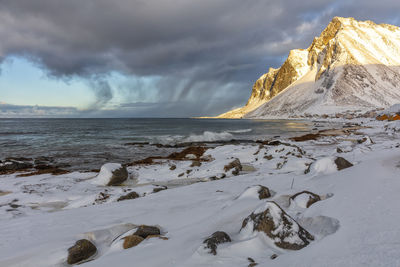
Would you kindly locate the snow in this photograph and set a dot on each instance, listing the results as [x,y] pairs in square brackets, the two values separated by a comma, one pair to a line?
[355,223]
[106,173]
[325,166]
[357,69]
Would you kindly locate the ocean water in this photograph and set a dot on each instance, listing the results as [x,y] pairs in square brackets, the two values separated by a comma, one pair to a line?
[89,143]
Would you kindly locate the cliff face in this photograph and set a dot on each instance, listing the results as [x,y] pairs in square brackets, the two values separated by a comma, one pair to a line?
[351,65]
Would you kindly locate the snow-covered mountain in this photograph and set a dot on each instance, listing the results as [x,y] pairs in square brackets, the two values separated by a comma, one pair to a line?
[352,65]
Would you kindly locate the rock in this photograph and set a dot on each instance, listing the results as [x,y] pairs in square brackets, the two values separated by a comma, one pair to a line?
[273,256]
[12,165]
[308,169]
[218,176]
[263,192]
[158,189]
[236,165]
[339,150]
[173,167]
[305,198]
[394,117]
[111,174]
[268,157]
[349,117]
[382,117]
[306,137]
[131,195]
[146,230]
[252,262]
[195,164]
[82,250]
[132,241]
[282,230]
[342,163]
[214,240]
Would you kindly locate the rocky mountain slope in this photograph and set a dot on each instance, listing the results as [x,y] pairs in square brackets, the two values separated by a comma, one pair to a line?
[352,65]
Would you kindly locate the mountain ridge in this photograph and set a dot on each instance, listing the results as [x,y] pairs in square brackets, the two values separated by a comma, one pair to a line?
[351,65]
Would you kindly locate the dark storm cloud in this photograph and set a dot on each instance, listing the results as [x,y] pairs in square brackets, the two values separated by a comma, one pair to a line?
[199,49]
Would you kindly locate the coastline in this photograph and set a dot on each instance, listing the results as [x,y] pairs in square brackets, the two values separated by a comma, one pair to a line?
[195,192]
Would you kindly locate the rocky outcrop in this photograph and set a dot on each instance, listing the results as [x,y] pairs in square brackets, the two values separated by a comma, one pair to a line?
[278,226]
[352,65]
[82,250]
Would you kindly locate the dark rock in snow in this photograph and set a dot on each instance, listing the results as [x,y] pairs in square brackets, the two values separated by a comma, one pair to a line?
[214,240]
[131,195]
[263,192]
[82,250]
[158,189]
[236,165]
[132,241]
[119,176]
[195,164]
[342,163]
[146,230]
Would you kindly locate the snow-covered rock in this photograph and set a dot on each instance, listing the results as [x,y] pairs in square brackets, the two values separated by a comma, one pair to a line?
[325,166]
[304,199]
[256,191]
[282,230]
[330,165]
[111,174]
[352,65]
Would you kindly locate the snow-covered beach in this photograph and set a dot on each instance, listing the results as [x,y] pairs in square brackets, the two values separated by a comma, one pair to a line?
[345,215]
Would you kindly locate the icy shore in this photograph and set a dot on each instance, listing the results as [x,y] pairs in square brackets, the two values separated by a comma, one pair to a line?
[338,214]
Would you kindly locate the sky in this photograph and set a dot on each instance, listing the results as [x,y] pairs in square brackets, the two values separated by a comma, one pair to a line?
[153,58]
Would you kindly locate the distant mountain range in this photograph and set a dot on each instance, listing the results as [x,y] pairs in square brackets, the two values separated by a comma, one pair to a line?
[352,65]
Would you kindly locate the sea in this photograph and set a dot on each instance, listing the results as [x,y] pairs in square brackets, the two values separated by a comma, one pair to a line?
[86,144]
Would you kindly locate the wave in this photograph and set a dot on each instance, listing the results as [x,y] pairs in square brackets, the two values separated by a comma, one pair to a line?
[241,131]
[207,136]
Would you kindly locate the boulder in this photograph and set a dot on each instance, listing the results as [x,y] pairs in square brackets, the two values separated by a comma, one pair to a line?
[263,192]
[305,199]
[235,165]
[158,189]
[132,241]
[255,191]
[342,163]
[111,174]
[214,240]
[146,230]
[131,195]
[82,250]
[278,226]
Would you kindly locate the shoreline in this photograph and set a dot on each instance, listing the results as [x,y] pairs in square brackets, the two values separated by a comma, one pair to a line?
[205,180]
